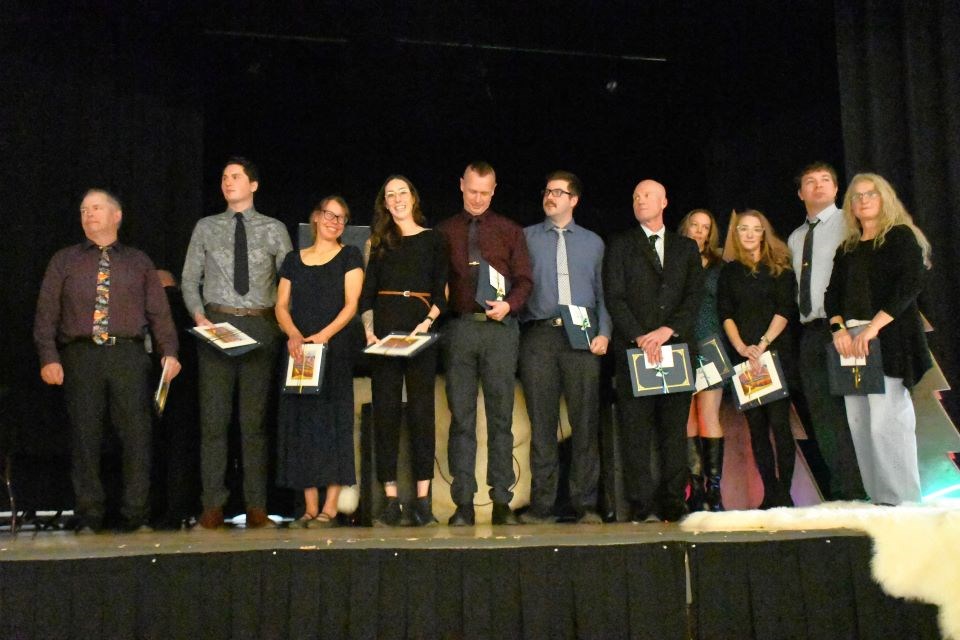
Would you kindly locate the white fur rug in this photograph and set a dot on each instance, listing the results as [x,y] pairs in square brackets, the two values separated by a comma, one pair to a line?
[916,547]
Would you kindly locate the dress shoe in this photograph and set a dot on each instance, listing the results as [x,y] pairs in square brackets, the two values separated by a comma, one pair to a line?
[503,514]
[639,514]
[589,516]
[532,517]
[211,518]
[422,513]
[257,518]
[391,514]
[88,526]
[463,516]
[135,526]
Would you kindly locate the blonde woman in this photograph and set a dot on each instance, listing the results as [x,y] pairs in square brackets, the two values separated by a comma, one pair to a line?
[877,276]
[756,296]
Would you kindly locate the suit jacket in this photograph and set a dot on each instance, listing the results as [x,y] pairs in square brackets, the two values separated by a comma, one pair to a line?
[641,296]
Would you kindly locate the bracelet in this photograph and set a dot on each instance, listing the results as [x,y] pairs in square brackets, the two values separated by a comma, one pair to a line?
[429,319]
[764,340]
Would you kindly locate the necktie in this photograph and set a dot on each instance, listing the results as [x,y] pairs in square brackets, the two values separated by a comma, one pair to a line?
[653,245]
[806,268]
[241,269]
[563,271]
[101,307]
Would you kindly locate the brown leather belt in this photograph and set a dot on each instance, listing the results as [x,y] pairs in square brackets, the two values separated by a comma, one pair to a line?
[422,297]
[240,311]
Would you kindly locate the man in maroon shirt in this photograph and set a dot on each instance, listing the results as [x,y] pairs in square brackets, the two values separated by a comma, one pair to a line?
[482,341]
[104,364]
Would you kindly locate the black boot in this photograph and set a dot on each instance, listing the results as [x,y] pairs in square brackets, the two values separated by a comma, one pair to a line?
[391,514]
[695,466]
[422,513]
[713,463]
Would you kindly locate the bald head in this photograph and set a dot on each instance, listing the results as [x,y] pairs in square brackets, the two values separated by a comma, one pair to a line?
[649,201]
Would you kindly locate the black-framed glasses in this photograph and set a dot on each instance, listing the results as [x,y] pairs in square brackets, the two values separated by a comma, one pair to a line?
[556,193]
[330,216]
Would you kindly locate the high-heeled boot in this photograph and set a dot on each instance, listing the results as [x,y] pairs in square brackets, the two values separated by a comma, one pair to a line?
[713,471]
[695,467]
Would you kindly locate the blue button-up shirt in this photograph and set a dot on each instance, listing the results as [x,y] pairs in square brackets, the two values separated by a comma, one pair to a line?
[827,236]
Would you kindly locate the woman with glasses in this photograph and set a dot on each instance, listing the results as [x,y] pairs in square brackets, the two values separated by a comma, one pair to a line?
[756,295]
[316,299]
[704,421]
[876,279]
[404,290]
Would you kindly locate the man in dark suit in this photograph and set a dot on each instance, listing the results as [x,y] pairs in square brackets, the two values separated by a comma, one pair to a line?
[652,283]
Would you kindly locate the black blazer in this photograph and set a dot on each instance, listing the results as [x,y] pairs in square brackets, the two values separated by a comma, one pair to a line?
[641,296]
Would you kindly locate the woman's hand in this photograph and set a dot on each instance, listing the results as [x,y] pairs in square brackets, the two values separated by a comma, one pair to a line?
[320,337]
[372,337]
[423,327]
[843,343]
[295,346]
[861,342]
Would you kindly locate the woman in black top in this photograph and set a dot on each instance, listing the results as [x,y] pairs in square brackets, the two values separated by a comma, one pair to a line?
[877,276]
[316,298]
[756,295]
[404,290]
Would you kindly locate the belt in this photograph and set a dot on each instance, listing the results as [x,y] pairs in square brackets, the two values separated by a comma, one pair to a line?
[111,341]
[422,297]
[816,323]
[546,322]
[240,311]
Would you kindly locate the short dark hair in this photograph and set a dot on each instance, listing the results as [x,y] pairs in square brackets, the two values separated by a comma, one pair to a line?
[109,195]
[573,182]
[248,167]
[819,165]
[481,168]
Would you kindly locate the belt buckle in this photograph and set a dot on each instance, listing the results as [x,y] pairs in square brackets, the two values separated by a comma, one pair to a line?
[556,322]
[109,342]
[406,294]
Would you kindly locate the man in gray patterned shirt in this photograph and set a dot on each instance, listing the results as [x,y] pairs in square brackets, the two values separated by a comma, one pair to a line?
[230,275]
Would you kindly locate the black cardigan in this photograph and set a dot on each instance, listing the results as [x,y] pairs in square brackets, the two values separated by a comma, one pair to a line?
[895,274]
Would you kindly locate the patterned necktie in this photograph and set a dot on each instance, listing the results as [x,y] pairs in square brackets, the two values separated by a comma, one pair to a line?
[653,245]
[101,306]
[241,270]
[563,271]
[806,304]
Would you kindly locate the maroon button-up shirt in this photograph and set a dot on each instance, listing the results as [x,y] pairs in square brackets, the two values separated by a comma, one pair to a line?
[502,244]
[69,290]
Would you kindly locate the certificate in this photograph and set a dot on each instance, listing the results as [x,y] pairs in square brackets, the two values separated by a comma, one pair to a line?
[753,388]
[402,344]
[713,365]
[673,374]
[305,374]
[491,284]
[226,338]
[580,324]
[855,376]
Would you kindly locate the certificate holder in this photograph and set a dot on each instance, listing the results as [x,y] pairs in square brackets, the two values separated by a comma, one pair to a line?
[753,388]
[491,284]
[580,324]
[305,374]
[673,374]
[402,345]
[225,338]
[713,364]
[163,390]
[855,376]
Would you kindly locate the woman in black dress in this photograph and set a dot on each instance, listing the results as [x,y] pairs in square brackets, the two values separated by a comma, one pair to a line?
[316,298]
[703,424]
[403,291]
[756,295]
[877,276]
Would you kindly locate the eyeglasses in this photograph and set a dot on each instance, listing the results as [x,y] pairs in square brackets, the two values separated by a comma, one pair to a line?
[556,193]
[873,194]
[742,228]
[392,195]
[330,216]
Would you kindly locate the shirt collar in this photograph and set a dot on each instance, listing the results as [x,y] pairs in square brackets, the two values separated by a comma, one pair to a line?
[246,213]
[114,246]
[469,216]
[649,233]
[826,214]
[548,225]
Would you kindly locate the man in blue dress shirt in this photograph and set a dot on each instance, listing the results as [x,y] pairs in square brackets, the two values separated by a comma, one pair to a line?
[567,265]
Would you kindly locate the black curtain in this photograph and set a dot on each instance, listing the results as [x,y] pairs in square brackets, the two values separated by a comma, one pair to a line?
[899,69]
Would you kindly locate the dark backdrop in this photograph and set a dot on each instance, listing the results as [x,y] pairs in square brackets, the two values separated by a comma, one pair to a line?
[721,101]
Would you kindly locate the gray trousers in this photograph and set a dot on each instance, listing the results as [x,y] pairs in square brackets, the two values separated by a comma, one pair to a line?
[549,367]
[252,376]
[481,353]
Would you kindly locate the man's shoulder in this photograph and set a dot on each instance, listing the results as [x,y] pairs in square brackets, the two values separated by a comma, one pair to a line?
[503,221]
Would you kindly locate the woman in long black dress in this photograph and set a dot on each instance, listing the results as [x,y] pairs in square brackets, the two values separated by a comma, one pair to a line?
[756,295]
[877,276]
[316,298]
[404,290]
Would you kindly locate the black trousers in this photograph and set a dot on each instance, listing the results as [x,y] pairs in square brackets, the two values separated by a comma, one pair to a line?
[549,368]
[481,353]
[388,376]
[829,415]
[252,376]
[114,379]
[660,419]
[776,470]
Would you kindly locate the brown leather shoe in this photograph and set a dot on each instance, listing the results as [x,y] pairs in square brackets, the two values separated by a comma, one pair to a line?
[211,518]
[257,519]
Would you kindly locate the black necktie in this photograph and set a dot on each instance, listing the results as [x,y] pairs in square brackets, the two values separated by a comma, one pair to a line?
[473,252]
[241,270]
[653,245]
[805,269]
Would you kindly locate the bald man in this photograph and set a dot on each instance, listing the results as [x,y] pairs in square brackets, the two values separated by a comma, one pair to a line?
[652,284]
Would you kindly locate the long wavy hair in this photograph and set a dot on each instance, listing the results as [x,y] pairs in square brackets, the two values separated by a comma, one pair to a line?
[316,213]
[773,251]
[384,232]
[711,248]
[892,213]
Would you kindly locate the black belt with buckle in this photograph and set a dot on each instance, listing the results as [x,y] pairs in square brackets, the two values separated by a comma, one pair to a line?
[547,322]
[109,342]
[240,311]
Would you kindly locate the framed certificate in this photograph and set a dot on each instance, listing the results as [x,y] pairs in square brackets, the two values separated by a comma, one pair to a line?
[402,344]
[226,338]
[753,388]
[672,374]
[305,374]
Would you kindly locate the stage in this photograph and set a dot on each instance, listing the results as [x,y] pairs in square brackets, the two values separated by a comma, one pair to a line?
[617,580]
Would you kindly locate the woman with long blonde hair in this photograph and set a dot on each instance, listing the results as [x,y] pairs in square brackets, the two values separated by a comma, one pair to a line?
[756,297]
[877,277]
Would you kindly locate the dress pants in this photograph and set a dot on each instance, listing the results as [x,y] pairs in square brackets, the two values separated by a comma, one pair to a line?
[420,373]
[549,367]
[253,376]
[114,379]
[829,415]
[660,419]
[481,353]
